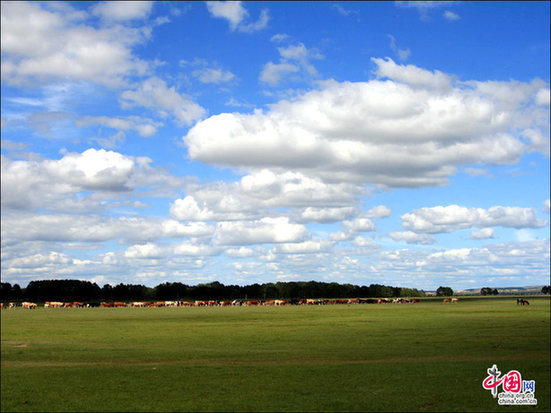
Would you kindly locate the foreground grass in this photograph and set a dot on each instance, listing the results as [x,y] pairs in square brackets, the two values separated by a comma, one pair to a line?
[424,357]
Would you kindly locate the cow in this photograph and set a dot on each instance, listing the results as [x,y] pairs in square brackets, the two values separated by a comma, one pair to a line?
[416,300]
[522,301]
[446,300]
[11,305]
[354,301]
[455,300]
[2,306]
[28,305]
[78,304]
[281,302]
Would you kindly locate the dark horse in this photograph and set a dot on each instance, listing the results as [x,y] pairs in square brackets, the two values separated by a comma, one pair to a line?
[522,301]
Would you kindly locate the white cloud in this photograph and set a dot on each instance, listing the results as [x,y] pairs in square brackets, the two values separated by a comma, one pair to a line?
[450,15]
[412,75]
[259,193]
[425,7]
[41,44]
[213,75]
[272,73]
[411,130]
[293,59]
[403,54]
[359,225]
[453,217]
[305,247]
[484,233]
[241,252]
[265,230]
[143,126]
[237,15]
[78,181]
[122,10]
[148,250]
[154,94]
[380,211]
[546,206]
[312,214]
[412,238]
[60,227]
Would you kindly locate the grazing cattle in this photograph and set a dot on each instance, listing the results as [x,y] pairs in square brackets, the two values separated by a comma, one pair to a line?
[68,305]
[446,300]
[252,302]
[53,304]
[171,304]
[281,302]
[78,304]
[11,305]
[200,303]
[522,301]
[107,305]
[454,300]
[354,301]
[28,305]
[416,300]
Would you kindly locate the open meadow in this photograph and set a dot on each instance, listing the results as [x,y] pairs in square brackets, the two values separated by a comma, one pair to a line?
[428,356]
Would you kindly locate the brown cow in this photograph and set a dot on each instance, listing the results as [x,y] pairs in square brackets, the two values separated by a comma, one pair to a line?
[446,300]
[28,305]
[454,300]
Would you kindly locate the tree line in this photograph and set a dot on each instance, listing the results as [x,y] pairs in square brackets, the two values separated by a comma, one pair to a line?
[77,290]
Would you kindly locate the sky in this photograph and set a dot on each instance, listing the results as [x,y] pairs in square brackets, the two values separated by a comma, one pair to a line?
[397,143]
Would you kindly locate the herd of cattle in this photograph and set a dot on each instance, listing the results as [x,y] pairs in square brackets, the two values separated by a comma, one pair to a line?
[216,303]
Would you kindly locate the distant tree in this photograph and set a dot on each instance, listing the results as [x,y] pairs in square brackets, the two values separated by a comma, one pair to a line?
[444,291]
[546,289]
[5,291]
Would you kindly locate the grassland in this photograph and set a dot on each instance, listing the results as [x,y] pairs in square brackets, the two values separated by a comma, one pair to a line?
[429,356]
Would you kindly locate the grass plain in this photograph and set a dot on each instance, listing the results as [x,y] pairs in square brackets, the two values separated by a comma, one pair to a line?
[430,356]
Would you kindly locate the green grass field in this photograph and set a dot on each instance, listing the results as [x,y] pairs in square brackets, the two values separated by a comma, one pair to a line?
[429,356]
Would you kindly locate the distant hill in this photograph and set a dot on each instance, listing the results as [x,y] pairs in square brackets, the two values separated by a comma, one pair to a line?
[535,289]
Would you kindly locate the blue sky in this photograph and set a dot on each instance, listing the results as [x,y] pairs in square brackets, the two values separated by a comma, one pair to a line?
[401,143]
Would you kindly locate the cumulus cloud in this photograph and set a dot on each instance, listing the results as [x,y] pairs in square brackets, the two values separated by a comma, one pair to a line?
[213,75]
[62,227]
[57,44]
[265,230]
[409,128]
[295,58]
[259,193]
[411,237]
[453,217]
[59,185]
[143,126]
[237,16]
[155,94]
[122,10]
[484,233]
